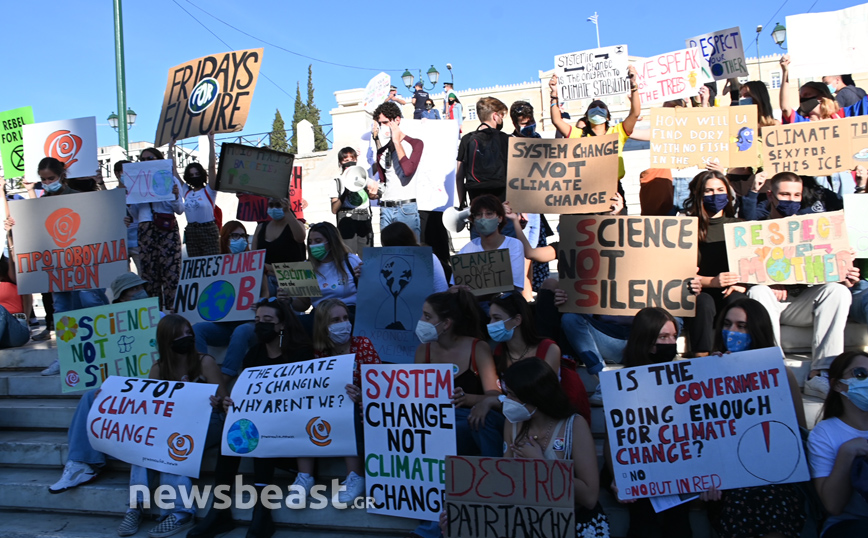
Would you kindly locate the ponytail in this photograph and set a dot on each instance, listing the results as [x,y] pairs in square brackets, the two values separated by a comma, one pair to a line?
[461,307]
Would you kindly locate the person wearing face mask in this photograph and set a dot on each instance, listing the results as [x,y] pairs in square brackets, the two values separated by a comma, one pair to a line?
[282,238]
[488,218]
[838,448]
[203,227]
[353,209]
[332,336]
[430,113]
[452,109]
[179,361]
[845,94]
[816,102]
[542,424]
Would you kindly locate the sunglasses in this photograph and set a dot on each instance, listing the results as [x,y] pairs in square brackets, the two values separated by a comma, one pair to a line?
[859,373]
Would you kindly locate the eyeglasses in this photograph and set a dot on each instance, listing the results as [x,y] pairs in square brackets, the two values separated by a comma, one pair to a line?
[238,236]
[859,373]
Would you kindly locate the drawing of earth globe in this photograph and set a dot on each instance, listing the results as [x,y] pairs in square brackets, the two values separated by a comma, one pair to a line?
[243,437]
[216,301]
[163,182]
[778,269]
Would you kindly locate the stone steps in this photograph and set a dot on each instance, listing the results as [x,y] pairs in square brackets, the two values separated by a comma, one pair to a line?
[31,355]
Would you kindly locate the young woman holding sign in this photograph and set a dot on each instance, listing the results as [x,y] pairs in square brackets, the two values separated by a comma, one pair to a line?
[179,361]
[282,238]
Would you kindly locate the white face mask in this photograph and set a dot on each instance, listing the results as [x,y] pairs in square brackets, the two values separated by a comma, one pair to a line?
[426,332]
[514,411]
[385,134]
[340,333]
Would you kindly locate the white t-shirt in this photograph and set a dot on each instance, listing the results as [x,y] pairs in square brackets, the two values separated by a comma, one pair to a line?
[823,444]
[392,189]
[197,207]
[440,283]
[335,284]
[516,256]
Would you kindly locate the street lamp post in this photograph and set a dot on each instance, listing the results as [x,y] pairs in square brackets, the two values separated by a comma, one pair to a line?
[433,77]
[779,34]
[759,72]
[121,119]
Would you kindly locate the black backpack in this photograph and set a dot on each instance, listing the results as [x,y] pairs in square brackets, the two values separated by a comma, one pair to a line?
[484,160]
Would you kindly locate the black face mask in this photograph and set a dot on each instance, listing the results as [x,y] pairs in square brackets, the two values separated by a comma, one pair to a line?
[346,165]
[195,181]
[264,331]
[183,345]
[664,353]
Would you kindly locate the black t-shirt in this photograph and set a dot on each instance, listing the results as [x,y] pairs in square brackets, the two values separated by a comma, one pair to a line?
[712,252]
[420,96]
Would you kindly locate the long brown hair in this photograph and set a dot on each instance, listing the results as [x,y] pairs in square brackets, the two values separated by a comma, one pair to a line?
[834,404]
[170,328]
[693,205]
[227,230]
[337,248]
[322,343]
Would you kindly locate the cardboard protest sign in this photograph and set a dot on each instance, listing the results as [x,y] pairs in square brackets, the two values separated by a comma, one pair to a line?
[72,142]
[297,279]
[409,431]
[224,287]
[592,74]
[620,265]
[806,249]
[252,208]
[160,425]
[12,123]
[496,497]
[723,52]
[485,272]
[856,218]
[435,174]
[569,175]
[261,171]
[296,203]
[149,181]
[683,427]
[674,75]
[816,53]
[112,340]
[69,242]
[376,92]
[816,148]
[292,410]
[393,287]
[685,137]
[208,95]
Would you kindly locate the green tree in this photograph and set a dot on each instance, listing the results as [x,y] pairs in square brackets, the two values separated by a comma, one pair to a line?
[299,114]
[278,133]
[319,140]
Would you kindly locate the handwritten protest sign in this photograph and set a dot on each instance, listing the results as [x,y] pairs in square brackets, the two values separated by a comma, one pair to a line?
[685,137]
[683,427]
[592,74]
[816,53]
[149,181]
[261,171]
[252,208]
[806,249]
[160,425]
[12,123]
[620,265]
[116,339]
[297,279]
[409,431]
[496,497]
[292,410]
[208,95]
[723,52]
[486,272]
[856,217]
[816,148]
[376,92]
[224,287]
[674,75]
[296,203]
[69,242]
[72,142]
[393,287]
[571,175]
[435,174]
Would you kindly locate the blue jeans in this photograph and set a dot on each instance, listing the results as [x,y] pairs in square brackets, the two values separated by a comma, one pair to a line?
[407,213]
[236,340]
[64,301]
[859,306]
[591,345]
[681,186]
[12,332]
[79,444]
[487,441]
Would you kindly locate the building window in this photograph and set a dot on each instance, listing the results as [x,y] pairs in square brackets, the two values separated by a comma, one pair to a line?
[471,113]
[776,80]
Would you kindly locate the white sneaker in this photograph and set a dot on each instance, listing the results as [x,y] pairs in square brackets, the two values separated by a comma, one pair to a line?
[596,399]
[305,482]
[75,474]
[817,386]
[355,487]
[53,368]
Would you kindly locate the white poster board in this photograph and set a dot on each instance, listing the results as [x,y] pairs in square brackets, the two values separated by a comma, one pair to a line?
[828,43]
[675,75]
[376,92]
[685,426]
[435,175]
[292,410]
[723,51]
[160,425]
[72,142]
[592,74]
[149,181]
[224,287]
[856,219]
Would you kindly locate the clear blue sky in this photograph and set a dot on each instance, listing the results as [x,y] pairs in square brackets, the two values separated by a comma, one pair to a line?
[60,54]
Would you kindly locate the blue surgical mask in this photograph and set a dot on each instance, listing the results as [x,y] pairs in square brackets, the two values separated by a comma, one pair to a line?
[485,227]
[788,208]
[498,331]
[276,213]
[426,332]
[528,130]
[237,246]
[857,392]
[53,187]
[736,341]
[597,120]
[139,295]
[597,115]
[745,101]
[715,202]
[832,89]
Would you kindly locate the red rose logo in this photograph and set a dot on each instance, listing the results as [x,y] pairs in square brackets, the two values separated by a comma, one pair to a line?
[72,378]
[62,226]
[63,146]
[180,446]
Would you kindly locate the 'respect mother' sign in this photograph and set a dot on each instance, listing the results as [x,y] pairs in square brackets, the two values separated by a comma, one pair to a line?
[685,426]
[69,242]
[224,287]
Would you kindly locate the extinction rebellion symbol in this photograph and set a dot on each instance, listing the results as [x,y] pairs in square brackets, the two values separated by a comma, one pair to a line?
[203,95]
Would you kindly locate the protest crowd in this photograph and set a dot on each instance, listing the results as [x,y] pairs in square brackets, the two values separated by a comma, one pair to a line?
[718,262]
